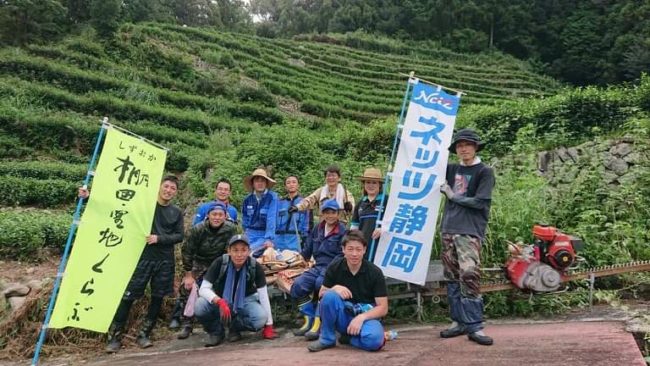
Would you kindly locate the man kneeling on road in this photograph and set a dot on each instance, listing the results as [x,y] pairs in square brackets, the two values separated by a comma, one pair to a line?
[233,293]
[353,298]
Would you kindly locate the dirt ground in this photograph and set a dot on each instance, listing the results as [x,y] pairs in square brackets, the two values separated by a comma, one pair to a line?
[581,337]
[556,343]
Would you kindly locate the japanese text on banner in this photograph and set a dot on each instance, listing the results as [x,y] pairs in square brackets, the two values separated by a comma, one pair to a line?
[111,234]
[409,222]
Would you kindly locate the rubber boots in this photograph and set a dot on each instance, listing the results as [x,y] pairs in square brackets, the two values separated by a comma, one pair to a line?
[186,329]
[308,322]
[314,332]
[143,337]
[115,334]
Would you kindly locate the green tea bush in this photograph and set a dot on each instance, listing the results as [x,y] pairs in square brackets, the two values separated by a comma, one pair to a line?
[571,117]
[255,94]
[12,147]
[43,170]
[23,233]
[37,192]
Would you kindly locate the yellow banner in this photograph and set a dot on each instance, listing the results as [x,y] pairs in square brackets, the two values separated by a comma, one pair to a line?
[111,234]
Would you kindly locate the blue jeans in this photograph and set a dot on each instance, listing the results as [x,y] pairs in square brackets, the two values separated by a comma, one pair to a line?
[334,318]
[251,317]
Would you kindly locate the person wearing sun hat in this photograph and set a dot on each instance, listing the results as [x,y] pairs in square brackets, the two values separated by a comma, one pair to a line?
[259,211]
[468,187]
[370,207]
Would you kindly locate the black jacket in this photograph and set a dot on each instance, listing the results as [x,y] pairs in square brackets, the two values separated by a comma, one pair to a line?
[204,244]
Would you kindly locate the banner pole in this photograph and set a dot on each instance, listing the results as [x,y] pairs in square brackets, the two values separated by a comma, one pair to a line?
[398,131]
[64,257]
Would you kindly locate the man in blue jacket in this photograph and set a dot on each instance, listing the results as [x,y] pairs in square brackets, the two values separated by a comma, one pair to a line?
[291,227]
[260,211]
[221,194]
[324,244]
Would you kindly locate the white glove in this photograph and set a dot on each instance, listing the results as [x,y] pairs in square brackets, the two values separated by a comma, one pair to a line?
[446,189]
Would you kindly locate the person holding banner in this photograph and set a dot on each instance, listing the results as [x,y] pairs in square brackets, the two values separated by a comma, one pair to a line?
[468,188]
[155,267]
[233,293]
[333,189]
[353,299]
[292,227]
[203,244]
[324,245]
[260,211]
[369,209]
[221,194]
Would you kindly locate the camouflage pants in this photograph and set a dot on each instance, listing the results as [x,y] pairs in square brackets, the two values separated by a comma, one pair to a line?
[461,262]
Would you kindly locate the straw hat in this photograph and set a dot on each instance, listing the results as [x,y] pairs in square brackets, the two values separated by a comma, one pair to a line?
[371,174]
[259,172]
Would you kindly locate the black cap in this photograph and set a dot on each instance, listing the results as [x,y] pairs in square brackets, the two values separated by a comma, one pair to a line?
[466,134]
[239,238]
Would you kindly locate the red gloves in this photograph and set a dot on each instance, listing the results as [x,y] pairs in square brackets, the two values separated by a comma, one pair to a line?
[268,332]
[224,310]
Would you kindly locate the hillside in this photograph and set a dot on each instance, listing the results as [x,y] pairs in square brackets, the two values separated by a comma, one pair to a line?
[223,102]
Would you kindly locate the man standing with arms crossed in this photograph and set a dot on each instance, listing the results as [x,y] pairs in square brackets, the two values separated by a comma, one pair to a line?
[468,188]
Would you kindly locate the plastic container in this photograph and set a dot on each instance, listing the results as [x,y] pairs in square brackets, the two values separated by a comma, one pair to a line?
[356,309]
[390,335]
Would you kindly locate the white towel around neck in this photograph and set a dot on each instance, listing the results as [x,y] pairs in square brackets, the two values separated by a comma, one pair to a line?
[340,195]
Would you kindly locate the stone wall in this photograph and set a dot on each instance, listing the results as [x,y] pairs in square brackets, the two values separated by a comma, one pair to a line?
[619,161]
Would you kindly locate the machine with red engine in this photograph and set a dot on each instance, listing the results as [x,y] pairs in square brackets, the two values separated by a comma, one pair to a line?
[540,266]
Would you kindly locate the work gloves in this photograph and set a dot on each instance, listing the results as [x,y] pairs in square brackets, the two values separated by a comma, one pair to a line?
[224,311]
[446,189]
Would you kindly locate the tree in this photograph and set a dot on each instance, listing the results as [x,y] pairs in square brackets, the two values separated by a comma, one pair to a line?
[104,16]
[78,10]
[147,10]
[197,13]
[233,14]
[24,21]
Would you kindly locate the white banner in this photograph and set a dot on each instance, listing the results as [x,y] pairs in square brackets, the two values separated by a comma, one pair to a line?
[409,222]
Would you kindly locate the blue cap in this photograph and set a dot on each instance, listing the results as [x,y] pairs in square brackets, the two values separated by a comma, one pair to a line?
[330,204]
[218,205]
[239,238]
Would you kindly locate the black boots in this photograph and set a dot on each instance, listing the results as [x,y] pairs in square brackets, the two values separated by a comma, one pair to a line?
[214,339]
[480,338]
[453,332]
[114,338]
[143,336]
[186,328]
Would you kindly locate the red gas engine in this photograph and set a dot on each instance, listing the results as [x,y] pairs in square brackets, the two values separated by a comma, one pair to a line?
[540,266]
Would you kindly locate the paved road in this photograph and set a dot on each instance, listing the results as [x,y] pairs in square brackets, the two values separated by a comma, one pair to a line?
[562,343]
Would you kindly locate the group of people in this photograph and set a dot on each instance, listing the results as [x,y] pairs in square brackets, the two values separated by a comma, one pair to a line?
[224,287]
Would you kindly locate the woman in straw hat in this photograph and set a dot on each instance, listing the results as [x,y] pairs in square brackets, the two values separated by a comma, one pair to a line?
[259,211]
[370,207]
